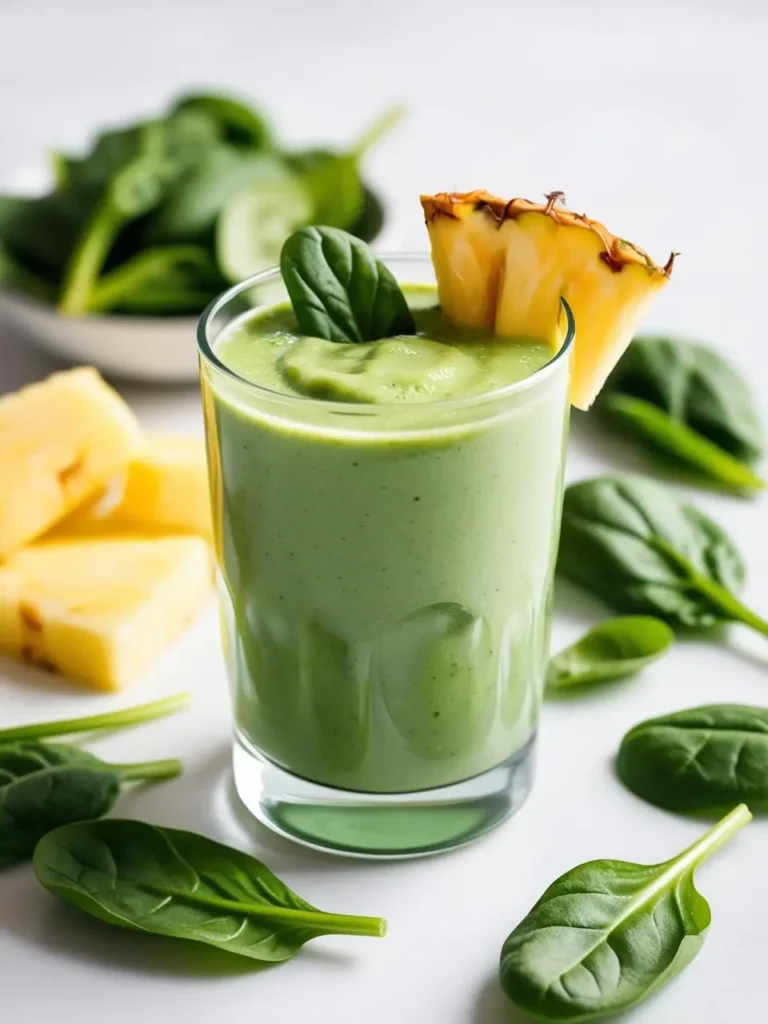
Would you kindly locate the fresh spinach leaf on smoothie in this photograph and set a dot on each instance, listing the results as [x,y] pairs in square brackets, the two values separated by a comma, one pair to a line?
[635,544]
[687,402]
[339,291]
[163,881]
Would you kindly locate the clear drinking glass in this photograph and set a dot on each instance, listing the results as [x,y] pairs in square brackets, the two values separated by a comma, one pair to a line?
[385,577]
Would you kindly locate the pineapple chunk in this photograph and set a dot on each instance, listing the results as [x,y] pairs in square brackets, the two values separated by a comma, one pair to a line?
[165,490]
[101,610]
[503,266]
[61,440]
[468,261]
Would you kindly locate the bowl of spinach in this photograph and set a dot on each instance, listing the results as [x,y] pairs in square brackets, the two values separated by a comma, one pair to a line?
[115,262]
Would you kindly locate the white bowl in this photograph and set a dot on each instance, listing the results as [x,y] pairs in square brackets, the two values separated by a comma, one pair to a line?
[140,348]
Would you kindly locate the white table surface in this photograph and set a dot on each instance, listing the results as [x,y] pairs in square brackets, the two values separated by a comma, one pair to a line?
[650,116]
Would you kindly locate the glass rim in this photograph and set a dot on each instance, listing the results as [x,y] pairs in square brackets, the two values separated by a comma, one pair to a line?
[207,352]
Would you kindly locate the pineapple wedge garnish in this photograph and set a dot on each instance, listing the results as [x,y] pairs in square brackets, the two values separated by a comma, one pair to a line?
[101,610]
[502,266]
[61,441]
[165,490]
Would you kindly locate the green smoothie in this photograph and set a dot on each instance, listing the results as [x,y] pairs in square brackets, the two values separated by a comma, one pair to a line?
[386,518]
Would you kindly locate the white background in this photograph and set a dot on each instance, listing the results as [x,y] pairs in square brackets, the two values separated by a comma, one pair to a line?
[649,115]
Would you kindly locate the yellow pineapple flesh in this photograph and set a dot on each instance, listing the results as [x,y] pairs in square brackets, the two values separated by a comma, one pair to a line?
[165,490]
[503,266]
[100,610]
[61,440]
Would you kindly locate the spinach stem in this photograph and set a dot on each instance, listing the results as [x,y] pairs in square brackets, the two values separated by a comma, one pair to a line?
[717,836]
[88,258]
[132,275]
[730,604]
[726,602]
[329,924]
[168,769]
[109,720]
[376,132]
[678,439]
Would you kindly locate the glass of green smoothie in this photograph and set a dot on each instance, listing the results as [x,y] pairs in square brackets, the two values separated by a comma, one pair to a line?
[386,523]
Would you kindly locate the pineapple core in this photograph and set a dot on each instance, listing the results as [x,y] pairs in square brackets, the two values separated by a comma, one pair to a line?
[503,266]
[60,441]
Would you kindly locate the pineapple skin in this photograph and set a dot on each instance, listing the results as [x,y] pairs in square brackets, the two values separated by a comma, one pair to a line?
[165,490]
[100,611]
[503,266]
[61,441]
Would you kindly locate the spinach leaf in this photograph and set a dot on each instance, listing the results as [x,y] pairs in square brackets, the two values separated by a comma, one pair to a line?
[672,394]
[633,543]
[39,234]
[334,184]
[609,933]
[13,270]
[12,207]
[129,172]
[190,210]
[17,277]
[614,649]
[187,137]
[339,291]
[182,885]
[46,785]
[371,220]
[236,121]
[699,760]
[59,164]
[333,179]
[135,187]
[178,141]
[179,292]
[106,720]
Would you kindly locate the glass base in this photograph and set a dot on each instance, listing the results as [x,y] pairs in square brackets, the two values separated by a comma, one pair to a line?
[376,825]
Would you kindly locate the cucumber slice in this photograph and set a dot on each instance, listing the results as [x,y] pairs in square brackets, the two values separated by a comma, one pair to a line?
[254,223]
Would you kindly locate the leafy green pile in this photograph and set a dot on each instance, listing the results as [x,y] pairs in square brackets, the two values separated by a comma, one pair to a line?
[160,215]
[687,403]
